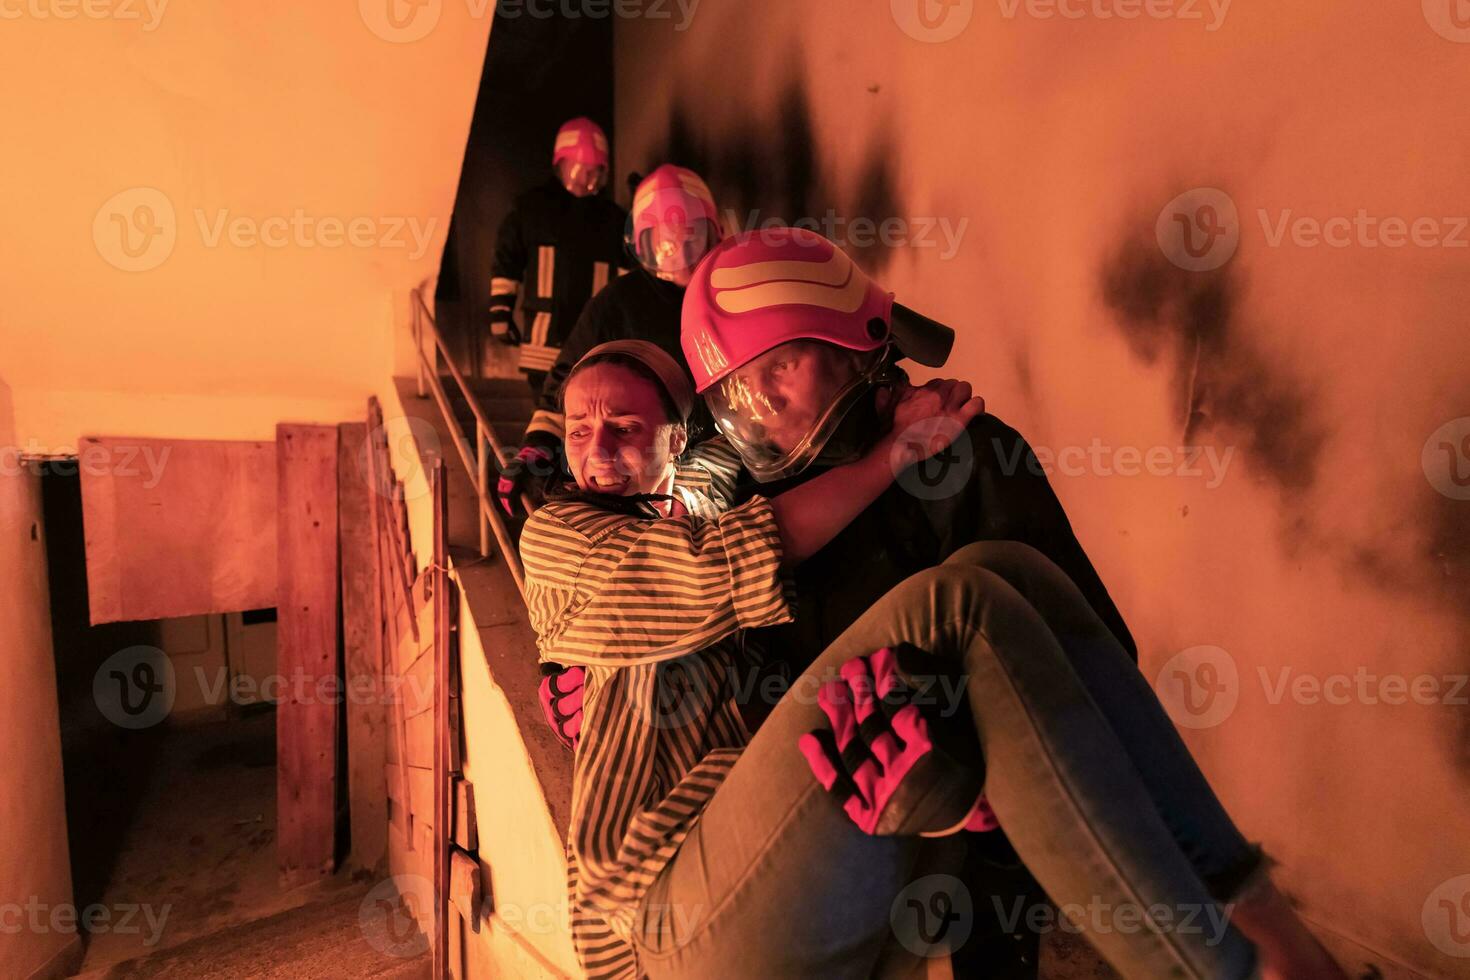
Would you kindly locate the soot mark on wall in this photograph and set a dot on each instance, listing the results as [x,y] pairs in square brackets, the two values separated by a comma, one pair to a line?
[766,166]
[1224,387]
[1449,558]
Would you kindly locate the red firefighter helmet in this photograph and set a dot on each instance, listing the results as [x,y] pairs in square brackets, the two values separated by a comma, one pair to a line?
[783,333]
[581,157]
[673,223]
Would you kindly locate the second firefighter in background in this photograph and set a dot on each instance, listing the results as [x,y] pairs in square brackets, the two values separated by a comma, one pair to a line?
[560,245]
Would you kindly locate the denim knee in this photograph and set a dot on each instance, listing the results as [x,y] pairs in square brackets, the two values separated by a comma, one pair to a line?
[1012,560]
[960,597]
[1025,569]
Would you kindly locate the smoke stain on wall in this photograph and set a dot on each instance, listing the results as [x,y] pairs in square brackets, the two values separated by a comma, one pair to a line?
[877,197]
[1021,370]
[1224,388]
[1448,545]
[769,167]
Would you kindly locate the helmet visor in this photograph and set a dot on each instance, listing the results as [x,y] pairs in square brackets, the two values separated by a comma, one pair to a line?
[580,179]
[780,410]
[671,249]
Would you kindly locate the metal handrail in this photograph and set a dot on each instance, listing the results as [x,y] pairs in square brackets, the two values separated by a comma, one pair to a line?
[477,463]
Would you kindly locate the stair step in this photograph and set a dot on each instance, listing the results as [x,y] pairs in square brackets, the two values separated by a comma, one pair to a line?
[508,433]
[506,408]
[501,388]
[338,936]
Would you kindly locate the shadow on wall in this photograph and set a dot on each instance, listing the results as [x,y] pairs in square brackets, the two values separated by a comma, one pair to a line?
[1448,559]
[105,767]
[539,72]
[771,169]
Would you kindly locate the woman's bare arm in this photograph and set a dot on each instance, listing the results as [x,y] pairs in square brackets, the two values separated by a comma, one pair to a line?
[925,421]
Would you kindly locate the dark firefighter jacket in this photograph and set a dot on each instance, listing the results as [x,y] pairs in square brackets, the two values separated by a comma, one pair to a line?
[554,251]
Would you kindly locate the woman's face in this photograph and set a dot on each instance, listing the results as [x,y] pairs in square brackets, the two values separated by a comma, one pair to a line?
[619,439]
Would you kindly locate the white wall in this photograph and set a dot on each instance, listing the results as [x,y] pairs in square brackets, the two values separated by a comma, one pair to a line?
[270,117]
[35,871]
[326,139]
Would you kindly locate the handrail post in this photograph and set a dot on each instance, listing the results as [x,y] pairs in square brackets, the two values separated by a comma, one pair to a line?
[418,340]
[479,460]
[482,485]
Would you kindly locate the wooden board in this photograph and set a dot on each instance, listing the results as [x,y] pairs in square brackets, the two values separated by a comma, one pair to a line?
[177,527]
[443,590]
[419,745]
[409,651]
[421,791]
[465,890]
[362,659]
[306,729]
[418,687]
[408,685]
[390,513]
[466,832]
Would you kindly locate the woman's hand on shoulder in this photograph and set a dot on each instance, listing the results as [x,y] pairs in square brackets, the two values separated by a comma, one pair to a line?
[926,418]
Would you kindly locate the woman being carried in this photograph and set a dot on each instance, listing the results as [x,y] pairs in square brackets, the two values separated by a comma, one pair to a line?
[700,849]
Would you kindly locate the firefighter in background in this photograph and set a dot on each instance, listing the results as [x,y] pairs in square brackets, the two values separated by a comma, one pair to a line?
[673,225]
[560,244]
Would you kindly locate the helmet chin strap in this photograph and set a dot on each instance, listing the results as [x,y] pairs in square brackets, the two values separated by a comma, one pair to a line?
[864,424]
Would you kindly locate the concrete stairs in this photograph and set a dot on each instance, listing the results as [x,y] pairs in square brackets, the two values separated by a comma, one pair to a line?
[345,934]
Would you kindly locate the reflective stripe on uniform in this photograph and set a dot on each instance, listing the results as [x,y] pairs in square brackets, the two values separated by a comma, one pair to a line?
[545,270]
[503,296]
[552,423]
[537,357]
[540,328]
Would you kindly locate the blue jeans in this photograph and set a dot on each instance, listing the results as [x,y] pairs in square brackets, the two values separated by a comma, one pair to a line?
[1084,770]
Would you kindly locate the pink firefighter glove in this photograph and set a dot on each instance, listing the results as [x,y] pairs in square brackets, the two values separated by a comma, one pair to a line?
[561,703]
[895,760]
[516,477]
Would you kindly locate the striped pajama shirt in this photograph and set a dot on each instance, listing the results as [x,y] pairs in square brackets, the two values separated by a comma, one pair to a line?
[654,609]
